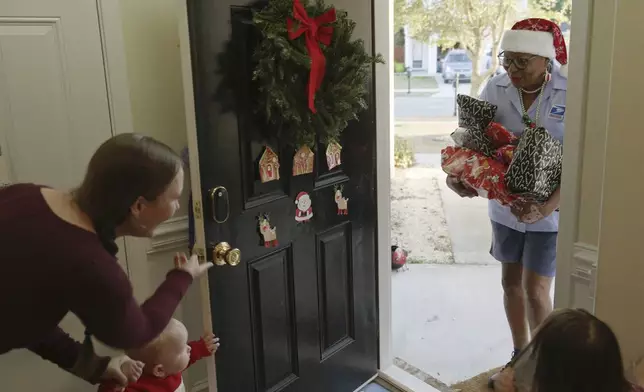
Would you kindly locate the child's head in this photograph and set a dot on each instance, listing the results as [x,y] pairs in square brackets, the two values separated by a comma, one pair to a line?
[575,351]
[168,354]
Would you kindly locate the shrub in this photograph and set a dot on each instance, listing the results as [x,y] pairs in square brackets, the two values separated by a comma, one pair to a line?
[399,67]
[403,153]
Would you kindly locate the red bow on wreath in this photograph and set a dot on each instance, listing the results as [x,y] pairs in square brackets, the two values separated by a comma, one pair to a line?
[315,33]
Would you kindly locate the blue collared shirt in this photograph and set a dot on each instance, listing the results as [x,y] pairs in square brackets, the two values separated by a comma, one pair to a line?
[502,93]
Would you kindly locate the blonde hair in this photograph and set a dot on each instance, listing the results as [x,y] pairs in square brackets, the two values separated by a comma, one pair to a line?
[151,353]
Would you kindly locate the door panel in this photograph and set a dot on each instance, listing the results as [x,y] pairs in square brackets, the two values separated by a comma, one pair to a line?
[335,289]
[301,316]
[273,317]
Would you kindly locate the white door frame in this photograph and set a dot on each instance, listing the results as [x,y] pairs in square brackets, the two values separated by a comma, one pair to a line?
[383,16]
[195,175]
[117,85]
[574,136]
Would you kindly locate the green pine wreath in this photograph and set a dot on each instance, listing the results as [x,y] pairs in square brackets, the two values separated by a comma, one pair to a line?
[282,75]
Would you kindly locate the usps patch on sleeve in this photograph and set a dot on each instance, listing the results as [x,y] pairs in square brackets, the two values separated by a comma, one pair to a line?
[557,112]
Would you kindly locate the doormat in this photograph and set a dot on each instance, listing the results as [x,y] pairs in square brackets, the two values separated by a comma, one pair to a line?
[476,383]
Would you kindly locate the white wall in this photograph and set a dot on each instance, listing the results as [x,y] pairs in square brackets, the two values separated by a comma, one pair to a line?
[600,259]
[150,32]
[153,69]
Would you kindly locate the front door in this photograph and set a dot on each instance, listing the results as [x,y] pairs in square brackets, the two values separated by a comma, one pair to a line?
[299,310]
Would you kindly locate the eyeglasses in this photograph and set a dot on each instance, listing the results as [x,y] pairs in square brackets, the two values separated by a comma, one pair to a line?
[520,63]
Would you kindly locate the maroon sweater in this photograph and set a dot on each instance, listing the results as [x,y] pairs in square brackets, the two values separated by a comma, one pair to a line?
[50,267]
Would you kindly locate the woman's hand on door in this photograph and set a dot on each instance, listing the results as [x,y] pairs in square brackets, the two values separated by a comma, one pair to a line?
[191,264]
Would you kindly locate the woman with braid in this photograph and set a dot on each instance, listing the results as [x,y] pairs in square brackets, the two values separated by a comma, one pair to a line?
[59,256]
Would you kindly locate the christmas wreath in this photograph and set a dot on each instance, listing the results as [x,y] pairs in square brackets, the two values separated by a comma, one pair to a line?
[312,78]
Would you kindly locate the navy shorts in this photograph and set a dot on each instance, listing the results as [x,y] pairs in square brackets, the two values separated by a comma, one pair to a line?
[535,250]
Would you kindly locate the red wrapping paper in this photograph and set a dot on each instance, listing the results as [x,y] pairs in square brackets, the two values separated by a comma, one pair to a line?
[499,135]
[483,174]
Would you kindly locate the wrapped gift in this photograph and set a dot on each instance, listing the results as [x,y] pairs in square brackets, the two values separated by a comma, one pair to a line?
[499,135]
[483,174]
[505,154]
[496,163]
[453,160]
[474,138]
[487,177]
[535,169]
[476,130]
[473,112]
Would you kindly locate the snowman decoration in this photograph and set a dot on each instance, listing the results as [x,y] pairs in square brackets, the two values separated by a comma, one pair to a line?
[304,210]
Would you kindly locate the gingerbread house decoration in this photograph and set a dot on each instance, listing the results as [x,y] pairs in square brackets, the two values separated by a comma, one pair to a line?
[303,161]
[269,166]
[333,155]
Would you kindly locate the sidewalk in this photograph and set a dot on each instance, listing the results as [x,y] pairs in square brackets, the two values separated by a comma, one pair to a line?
[420,84]
[413,127]
[417,91]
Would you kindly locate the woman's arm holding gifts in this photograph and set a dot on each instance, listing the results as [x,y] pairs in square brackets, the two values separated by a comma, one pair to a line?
[553,203]
[531,213]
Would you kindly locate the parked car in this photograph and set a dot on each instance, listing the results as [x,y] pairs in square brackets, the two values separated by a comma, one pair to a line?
[457,62]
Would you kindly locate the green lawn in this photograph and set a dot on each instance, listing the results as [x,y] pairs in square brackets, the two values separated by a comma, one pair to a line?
[424,82]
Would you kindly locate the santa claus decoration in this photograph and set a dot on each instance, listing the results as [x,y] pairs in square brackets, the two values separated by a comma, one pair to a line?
[304,209]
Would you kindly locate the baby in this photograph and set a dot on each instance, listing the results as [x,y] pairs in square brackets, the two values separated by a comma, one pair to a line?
[165,358]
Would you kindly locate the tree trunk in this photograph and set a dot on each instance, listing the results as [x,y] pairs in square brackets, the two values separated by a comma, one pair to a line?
[476,74]
[477,82]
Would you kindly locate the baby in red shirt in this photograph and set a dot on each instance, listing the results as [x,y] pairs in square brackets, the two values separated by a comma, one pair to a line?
[166,358]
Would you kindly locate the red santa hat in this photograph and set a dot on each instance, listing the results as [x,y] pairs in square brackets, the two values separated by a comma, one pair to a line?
[540,37]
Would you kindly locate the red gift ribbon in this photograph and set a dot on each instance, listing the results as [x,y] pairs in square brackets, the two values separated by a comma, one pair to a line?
[315,33]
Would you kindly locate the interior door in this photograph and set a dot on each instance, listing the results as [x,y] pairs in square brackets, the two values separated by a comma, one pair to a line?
[54,112]
[302,315]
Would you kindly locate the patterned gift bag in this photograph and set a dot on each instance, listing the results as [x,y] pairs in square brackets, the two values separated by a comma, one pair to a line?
[473,112]
[474,117]
[535,170]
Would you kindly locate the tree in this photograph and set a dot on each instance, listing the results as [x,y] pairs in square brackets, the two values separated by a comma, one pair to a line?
[399,14]
[558,11]
[472,23]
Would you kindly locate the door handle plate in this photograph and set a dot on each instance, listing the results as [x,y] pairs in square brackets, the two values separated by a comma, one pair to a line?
[219,204]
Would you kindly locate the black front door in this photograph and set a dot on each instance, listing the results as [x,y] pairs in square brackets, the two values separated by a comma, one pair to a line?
[299,310]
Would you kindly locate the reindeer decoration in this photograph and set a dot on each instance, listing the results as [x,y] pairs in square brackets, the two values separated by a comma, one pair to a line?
[342,202]
[269,234]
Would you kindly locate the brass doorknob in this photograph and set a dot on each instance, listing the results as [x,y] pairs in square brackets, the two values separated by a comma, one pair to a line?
[224,254]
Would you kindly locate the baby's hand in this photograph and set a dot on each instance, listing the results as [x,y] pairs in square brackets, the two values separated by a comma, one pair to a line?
[212,342]
[132,369]
[121,371]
